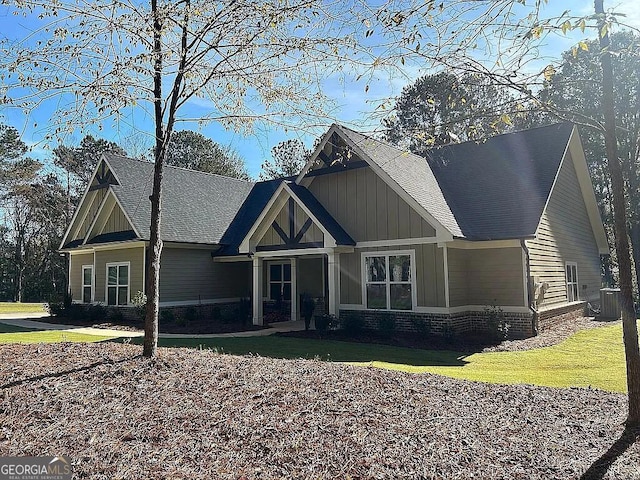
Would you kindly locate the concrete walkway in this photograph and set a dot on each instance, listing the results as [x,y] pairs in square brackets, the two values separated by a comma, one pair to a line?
[32,320]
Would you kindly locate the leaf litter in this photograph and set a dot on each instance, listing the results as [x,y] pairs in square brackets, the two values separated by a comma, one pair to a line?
[199,414]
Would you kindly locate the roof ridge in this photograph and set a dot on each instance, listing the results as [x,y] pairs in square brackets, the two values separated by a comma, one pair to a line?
[498,135]
[139,160]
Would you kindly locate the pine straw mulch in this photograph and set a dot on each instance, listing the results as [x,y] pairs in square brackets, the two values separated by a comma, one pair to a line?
[551,336]
[197,414]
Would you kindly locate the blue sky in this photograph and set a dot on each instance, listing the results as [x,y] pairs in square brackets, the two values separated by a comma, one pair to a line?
[355,106]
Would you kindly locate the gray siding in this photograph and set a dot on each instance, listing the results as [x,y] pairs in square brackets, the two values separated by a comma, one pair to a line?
[192,275]
[367,208]
[310,278]
[133,255]
[429,274]
[77,261]
[487,276]
[565,235]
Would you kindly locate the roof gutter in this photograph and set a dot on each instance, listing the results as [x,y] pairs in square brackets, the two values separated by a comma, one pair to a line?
[534,311]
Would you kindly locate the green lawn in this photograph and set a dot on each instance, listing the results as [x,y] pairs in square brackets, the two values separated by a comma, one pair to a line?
[4,328]
[48,336]
[592,357]
[288,347]
[11,307]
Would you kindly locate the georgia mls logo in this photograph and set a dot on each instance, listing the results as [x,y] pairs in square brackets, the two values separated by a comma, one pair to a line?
[35,468]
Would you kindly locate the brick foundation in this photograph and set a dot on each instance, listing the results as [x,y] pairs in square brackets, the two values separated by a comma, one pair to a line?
[520,324]
[554,316]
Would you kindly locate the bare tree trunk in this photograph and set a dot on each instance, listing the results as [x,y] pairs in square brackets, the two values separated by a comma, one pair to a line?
[150,347]
[634,235]
[629,328]
[163,134]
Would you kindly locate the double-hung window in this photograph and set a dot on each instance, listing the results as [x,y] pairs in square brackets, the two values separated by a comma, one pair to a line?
[389,280]
[118,283]
[87,283]
[572,281]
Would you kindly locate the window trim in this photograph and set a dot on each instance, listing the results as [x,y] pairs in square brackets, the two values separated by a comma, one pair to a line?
[106,283]
[576,282]
[282,281]
[83,285]
[387,282]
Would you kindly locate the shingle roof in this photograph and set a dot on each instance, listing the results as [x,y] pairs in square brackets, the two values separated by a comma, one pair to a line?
[196,207]
[412,173]
[328,222]
[247,215]
[497,189]
[493,189]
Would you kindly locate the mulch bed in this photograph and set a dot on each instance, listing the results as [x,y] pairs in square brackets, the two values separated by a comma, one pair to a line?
[202,325]
[197,414]
[467,343]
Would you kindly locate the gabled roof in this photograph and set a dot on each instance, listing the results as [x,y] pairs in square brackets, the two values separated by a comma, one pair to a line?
[498,188]
[409,172]
[249,212]
[196,207]
[486,190]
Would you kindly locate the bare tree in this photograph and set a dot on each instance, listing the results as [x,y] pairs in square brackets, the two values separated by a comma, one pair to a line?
[236,62]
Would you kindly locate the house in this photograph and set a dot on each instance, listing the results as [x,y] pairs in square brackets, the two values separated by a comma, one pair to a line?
[365,228]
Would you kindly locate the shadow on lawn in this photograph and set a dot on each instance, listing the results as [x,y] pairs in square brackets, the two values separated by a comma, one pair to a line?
[327,350]
[599,468]
[44,376]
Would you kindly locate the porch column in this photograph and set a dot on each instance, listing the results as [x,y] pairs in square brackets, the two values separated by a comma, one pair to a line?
[294,289]
[257,291]
[333,279]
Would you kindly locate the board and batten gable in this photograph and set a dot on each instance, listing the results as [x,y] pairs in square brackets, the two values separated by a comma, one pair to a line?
[366,207]
[565,234]
[191,275]
[272,238]
[486,276]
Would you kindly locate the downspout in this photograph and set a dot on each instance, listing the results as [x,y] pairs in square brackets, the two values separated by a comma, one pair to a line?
[534,311]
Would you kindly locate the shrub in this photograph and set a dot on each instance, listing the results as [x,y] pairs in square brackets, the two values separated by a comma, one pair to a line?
[325,322]
[96,313]
[167,316]
[191,314]
[448,331]
[497,325]
[56,309]
[116,315]
[386,324]
[139,302]
[352,324]
[244,310]
[75,311]
[216,314]
[422,325]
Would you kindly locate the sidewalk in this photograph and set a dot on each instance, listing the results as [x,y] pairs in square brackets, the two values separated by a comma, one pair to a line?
[26,320]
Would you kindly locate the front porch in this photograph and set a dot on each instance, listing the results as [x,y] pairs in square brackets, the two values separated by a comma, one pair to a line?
[281,279]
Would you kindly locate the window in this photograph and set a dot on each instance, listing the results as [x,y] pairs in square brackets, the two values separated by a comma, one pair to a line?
[280,281]
[388,280]
[572,281]
[118,283]
[87,283]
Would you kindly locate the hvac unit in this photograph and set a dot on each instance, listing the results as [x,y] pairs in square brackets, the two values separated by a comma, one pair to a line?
[610,303]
